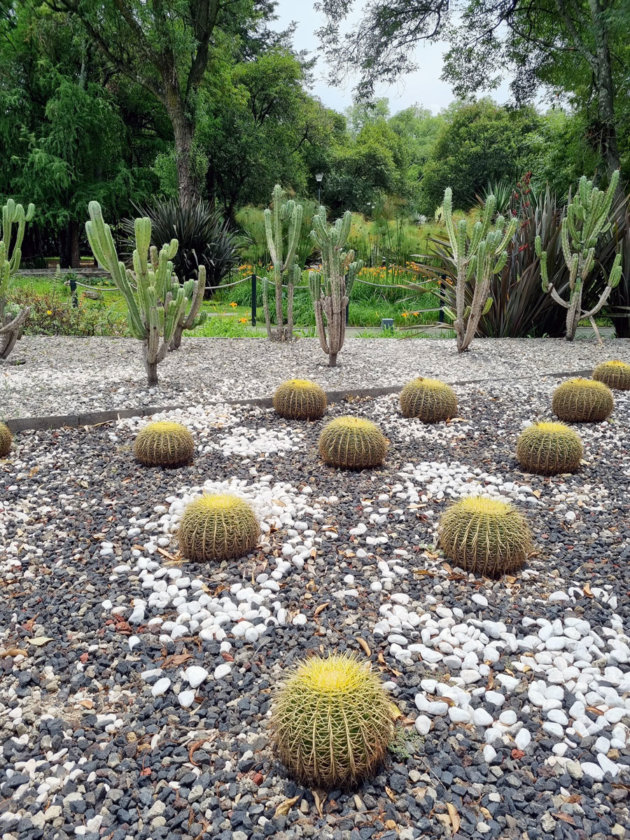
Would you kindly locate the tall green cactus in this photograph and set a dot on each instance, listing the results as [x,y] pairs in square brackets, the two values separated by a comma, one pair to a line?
[478,256]
[330,288]
[12,318]
[286,271]
[158,307]
[587,217]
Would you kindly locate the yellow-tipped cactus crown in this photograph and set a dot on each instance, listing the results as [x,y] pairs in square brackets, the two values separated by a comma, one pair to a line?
[300,399]
[429,400]
[6,439]
[615,374]
[582,401]
[485,536]
[218,527]
[332,722]
[164,444]
[352,443]
[549,448]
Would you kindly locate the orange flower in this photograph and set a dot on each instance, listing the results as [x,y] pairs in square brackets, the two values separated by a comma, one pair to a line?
[242,320]
[233,304]
[405,315]
[416,314]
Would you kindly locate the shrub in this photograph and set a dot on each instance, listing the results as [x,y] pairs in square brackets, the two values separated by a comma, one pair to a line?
[485,536]
[428,399]
[300,399]
[164,444]
[332,722]
[549,448]
[614,374]
[582,401]
[6,439]
[53,314]
[352,443]
[218,527]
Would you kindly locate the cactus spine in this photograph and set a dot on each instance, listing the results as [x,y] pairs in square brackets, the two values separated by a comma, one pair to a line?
[158,307]
[331,287]
[11,317]
[480,256]
[586,219]
[286,271]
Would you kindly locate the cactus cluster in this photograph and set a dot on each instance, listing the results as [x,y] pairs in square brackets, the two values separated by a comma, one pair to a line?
[164,444]
[549,448]
[582,401]
[485,536]
[283,217]
[300,399]
[429,400]
[352,443]
[12,318]
[331,722]
[614,374]
[6,439]
[217,527]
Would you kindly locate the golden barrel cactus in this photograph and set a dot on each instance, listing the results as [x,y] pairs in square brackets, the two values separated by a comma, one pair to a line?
[300,399]
[6,439]
[615,374]
[218,527]
[429,400]
[352,443]
[332,722]
[582,401]
[485,536]
[549,448]
[164,444]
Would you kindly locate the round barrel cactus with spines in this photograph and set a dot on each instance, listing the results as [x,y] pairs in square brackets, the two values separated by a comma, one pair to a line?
[332,722]
[6,439]
[615,374]
[485,536]
[549,448]
[582,401]
[429,400]
[218,527]
[352,443]
[300,399]
[164,444]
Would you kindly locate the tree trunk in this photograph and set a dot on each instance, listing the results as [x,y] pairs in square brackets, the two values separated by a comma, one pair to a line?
[183,129]
[69,246]
[603,80]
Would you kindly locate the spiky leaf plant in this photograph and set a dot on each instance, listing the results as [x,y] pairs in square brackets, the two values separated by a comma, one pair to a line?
[429,400]
[549,448]
[332,722]
[164,444]
[6,439]
[582,401]
[485,536]
[615,374]
[218,527]
[352,443]
[300,399]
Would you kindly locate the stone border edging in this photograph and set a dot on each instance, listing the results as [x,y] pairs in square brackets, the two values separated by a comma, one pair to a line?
[96,418]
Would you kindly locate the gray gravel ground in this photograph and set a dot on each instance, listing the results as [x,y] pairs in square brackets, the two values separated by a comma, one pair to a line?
[74,375]
[514,694]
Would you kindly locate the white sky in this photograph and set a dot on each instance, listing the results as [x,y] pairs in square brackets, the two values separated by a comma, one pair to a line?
[423,87]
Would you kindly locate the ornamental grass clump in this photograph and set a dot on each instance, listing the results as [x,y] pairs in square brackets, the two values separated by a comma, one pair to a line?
[6,439]
[164,444]
[485,536]
[332,722]
[614,374]
[352,443]
[300,399]
[429,400]
[218,527]
[582,401]
[549,448]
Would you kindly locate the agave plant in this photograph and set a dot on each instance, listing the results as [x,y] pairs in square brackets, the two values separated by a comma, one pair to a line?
[618,241]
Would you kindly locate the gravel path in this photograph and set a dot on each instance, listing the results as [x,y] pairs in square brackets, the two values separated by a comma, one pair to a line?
[135,690]
[75,375]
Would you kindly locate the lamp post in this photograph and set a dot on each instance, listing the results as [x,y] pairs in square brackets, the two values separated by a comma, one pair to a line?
[319,177]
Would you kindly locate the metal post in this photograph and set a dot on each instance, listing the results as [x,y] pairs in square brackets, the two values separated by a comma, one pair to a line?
[73,290]
[254,299]
[441,312]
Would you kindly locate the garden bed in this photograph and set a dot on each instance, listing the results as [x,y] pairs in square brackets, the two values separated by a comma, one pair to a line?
[523,733]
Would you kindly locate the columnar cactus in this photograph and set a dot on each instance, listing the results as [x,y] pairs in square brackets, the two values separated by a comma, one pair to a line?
[300,399]
[158,307]
[477,257]
[587,218]
[330,288]
[286,271]
[12,318]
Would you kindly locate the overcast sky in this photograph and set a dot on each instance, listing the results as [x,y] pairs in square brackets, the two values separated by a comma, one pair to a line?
[423,87]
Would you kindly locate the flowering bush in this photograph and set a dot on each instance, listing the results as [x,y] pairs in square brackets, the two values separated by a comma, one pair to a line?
[53,314]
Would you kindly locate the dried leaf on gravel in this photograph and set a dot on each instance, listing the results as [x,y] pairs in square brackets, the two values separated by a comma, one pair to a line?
[320,798]
[13,652]
[364,646]
[320,609]
[455,820]
[40,641]
[284,807]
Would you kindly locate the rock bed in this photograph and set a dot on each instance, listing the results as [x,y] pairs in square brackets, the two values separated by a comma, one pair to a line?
[59,375]
[139,705]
